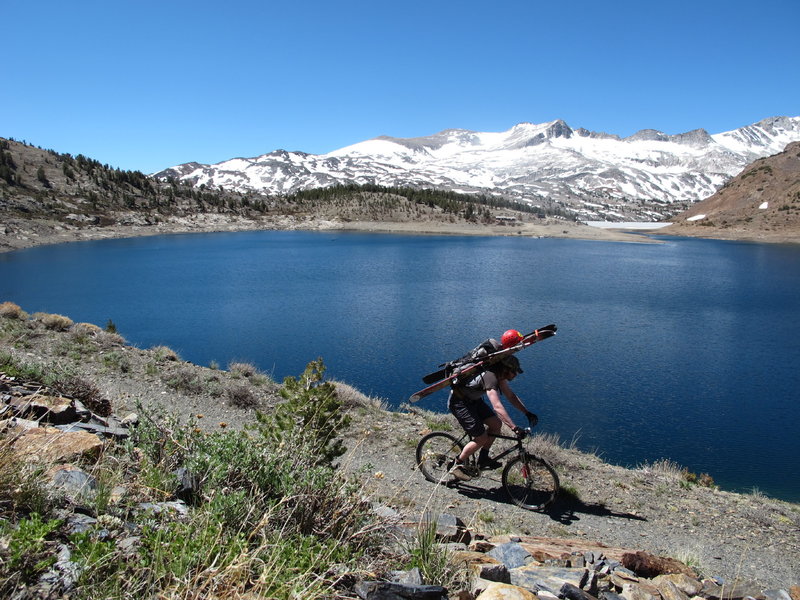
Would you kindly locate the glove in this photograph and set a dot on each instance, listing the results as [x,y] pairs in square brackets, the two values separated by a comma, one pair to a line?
[520,432]
[532,419]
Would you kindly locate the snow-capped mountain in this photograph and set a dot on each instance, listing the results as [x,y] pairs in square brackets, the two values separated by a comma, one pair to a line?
[646,176]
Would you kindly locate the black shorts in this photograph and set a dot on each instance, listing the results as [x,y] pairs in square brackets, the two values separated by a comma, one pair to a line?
[471,415]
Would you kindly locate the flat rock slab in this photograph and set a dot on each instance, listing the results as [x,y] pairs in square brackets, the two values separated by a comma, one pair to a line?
[543,548]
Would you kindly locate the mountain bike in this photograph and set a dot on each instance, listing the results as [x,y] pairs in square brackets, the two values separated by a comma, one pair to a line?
[529,480]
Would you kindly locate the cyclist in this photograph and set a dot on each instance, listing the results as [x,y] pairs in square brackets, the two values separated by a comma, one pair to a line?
[467,404]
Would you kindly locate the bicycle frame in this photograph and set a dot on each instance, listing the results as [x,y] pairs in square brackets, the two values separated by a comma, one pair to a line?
[518,447]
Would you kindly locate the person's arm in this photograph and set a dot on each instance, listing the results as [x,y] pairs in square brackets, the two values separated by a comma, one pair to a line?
[516,402]
[499,409]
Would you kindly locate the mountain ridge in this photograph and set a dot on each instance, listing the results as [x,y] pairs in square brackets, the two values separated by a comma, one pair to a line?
[649,175]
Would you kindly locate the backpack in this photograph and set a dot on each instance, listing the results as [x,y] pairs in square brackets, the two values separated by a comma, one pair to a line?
[475,355]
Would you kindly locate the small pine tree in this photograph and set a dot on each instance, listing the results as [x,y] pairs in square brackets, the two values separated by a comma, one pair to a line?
[40,175]
[312,415]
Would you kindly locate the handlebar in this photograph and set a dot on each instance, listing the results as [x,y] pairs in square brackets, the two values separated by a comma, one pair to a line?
[522,432]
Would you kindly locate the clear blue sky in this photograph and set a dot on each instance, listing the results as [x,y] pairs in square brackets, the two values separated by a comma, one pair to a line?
[144,85]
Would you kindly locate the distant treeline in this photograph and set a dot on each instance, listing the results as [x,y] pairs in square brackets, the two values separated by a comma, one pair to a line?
[447,201]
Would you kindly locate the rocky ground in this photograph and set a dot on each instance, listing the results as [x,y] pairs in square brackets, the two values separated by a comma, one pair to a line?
[736,537]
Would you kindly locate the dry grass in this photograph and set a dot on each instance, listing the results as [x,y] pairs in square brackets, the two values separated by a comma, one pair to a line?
[350,397]
[241,396]
[9,310]
[243,369]
[53,322]
[164,354]
[663,468]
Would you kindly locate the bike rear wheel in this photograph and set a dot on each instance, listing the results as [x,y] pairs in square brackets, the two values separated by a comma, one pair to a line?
[435,454]
[530,482]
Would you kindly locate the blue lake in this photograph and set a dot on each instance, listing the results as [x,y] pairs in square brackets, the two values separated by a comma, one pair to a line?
[687,350]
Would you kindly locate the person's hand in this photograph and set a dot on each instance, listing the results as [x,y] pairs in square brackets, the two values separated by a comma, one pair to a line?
[532,419]
[520,432]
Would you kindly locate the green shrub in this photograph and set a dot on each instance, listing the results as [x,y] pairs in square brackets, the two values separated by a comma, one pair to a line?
[312,412]
[434,560]
[14,367]
[117,360]
[27,552]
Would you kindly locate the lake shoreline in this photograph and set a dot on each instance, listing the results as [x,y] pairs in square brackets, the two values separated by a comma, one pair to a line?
[21,233]
[27,233]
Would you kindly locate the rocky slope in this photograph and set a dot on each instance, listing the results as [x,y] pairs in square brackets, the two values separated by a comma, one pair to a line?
[760,203]
[655,508]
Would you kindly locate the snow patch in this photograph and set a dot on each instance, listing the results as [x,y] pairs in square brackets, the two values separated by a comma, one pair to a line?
[763,205]
[696,218]
[626,225]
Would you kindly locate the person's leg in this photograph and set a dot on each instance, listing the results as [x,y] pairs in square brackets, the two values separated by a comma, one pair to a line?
[493,425]
[472,423]
[473,446]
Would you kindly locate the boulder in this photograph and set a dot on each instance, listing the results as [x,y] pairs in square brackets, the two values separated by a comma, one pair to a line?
[73,482]
[539,577]
[51,409]
[690,586]
[504,591]
[481,566]
[544,548]
[385,590]
[737,591]
[50,445]
[511,554]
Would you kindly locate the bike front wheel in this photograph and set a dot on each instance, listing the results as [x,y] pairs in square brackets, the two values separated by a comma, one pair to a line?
[435,454]
[530,482]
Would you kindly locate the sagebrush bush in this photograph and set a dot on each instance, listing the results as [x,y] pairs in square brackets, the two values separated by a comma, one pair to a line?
[10,365]
[164,353]
[85,330]
[242,369]
[53,322]
[241,396]
[9,310]
[184,380]
[84,390]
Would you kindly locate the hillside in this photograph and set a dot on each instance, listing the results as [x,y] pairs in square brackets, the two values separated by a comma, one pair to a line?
[762,203]
[49,197]
[746,540]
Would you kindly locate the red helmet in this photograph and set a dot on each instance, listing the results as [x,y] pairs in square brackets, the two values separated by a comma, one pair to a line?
[512,337]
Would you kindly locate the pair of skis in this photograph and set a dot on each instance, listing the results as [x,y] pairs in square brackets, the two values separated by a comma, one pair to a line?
[443,379]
